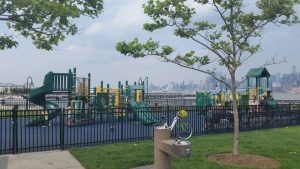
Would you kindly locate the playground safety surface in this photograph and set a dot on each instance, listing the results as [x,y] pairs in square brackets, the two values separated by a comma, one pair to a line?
[40,160]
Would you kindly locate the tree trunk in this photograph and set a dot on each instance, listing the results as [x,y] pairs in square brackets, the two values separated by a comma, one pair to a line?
[236,133]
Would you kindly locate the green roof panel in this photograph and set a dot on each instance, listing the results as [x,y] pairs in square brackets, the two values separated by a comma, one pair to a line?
[258,73]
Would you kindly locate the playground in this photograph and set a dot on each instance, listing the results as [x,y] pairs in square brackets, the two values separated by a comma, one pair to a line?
[87,116]
[82,98]
[160,84]
[79,97]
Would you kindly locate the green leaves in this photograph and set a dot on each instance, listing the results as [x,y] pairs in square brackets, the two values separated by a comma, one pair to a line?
[167,13]
[46,22]
[7,42]
[232,39]
[152,48]
[139,50]
[279,11]
[190,59]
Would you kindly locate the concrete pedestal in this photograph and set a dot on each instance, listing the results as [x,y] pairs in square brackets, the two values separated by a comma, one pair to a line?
[164,148]
[162,160]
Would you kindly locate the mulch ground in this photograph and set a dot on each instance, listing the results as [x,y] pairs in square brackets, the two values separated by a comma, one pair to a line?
[244,160]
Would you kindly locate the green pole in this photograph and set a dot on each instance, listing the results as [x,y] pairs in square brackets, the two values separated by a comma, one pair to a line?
[89,85]
[119,89]
[122,87]
[73,103]
[143,92]
[112,112]
[119,84]
[259,86]
[248,83]
[257,89]
[94,97]
[112,100]
[135,99]
[126,87]
[101,85]
[78,103]
[107,87]
[74,87]
[70,82]
[248,87]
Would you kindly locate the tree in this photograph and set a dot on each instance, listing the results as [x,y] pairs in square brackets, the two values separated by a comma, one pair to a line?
[46,22]
[231,41]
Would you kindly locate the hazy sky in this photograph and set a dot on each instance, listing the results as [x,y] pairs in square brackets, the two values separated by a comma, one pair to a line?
[93,50]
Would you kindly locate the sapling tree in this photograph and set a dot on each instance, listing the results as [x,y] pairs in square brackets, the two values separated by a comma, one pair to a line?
[229,41]
[45,22]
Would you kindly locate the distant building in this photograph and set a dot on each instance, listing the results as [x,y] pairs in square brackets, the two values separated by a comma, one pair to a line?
[276,86]
[2,89]
[294,71]
[210,83]
[6,87]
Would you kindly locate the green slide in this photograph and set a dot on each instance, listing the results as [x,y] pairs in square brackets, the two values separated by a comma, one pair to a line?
[37,96]
[274,105]
[145,117]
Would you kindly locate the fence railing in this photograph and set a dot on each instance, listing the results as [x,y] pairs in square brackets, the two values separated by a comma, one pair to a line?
[40,130]
[24,104]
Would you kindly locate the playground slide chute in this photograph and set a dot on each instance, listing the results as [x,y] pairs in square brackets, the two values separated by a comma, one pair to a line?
[142,113]
[274,105]
[37,96]
[52,112]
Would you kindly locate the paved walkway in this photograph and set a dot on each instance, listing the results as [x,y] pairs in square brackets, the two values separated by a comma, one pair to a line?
[40,160]
[145,167]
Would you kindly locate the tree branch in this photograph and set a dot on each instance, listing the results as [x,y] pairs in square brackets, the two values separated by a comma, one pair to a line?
[201,43]
[241,82]
[257,27]
[273,61]
[221,15]
[230,69]
[4,19]
[211,42]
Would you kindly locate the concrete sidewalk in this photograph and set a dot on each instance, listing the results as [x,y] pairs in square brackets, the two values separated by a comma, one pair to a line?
[40,160]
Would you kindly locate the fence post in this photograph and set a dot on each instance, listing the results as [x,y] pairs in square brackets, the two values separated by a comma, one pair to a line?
[15,129]
[205,127]
[123,113]
[168,115]
[62,128]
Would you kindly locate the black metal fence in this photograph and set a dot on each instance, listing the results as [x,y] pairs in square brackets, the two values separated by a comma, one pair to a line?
[41,130]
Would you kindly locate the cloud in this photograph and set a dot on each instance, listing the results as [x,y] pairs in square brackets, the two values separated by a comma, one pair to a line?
[119,19]
[80,48]
[95,28]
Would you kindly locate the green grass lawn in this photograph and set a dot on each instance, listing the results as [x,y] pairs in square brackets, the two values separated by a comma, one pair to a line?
[279,144]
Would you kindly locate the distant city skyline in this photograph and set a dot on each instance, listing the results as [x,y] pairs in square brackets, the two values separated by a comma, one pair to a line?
[276,75]
[289,82]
